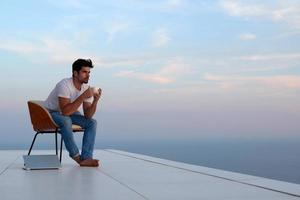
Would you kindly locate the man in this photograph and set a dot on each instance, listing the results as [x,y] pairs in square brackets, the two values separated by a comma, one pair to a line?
[63,103]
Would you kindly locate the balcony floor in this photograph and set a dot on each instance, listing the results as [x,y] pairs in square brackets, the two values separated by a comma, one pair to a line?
[125,175]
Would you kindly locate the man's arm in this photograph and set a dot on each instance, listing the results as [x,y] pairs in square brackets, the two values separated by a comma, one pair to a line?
[68,108]
[89,109]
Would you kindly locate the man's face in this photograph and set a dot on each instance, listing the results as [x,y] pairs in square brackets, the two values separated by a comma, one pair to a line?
[83,75]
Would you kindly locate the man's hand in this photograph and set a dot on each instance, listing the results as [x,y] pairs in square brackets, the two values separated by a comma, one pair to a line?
[88,93]
[97,95]
[89,109]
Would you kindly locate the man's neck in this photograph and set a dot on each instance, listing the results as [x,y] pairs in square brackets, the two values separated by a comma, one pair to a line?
[76,83]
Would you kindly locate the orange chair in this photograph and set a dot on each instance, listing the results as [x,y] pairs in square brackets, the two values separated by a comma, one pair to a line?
[42,122]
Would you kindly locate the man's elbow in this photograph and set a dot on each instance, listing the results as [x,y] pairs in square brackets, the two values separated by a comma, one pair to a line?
[87,115]
[65,112]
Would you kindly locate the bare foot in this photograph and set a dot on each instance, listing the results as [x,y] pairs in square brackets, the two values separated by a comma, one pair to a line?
[77,159]
[89,163]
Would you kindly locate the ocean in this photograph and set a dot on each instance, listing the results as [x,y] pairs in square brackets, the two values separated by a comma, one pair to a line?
[270,158]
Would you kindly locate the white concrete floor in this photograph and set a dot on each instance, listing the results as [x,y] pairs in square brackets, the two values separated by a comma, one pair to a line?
[124,175]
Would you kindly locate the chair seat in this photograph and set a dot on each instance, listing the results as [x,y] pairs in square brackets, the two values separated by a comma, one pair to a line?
[77,128]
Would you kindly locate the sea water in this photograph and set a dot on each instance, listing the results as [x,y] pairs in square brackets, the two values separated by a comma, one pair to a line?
[270,158]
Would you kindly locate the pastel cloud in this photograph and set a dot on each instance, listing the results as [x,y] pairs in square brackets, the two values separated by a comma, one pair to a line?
[174,3]
[247,36]
[236,8]
[277,82]
[274,56]
[155,77]
[49,49]
[116,27]
[287,11]
[160,37]
[20,47]
[174,69]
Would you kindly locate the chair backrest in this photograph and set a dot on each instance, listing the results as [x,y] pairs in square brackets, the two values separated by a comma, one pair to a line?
[40,117]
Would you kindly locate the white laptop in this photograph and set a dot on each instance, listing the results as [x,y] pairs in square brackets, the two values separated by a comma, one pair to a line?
[41,162]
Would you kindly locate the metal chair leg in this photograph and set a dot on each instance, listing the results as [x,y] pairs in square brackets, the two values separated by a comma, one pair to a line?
[56,150]
[61,145]
[32,143]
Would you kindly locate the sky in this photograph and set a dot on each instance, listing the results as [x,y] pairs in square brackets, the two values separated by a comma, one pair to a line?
[169,69]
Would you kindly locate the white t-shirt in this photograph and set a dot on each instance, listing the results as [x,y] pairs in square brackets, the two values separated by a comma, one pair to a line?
[66,89]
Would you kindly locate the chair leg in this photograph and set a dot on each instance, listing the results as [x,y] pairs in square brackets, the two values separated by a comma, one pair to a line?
[32,143]
[61,145]
[56,150]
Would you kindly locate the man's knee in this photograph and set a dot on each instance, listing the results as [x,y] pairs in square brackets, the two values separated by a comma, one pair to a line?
[92,122]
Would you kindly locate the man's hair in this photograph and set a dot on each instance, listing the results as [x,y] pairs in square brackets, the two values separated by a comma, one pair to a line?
[79,63]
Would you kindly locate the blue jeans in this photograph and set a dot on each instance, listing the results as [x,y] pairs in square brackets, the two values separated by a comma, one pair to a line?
[65,126]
